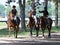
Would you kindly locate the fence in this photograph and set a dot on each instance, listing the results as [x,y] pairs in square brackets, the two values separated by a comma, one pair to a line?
[5,20]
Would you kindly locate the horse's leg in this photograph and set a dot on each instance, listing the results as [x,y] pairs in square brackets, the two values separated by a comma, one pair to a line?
[37,30]
[49,30]
[37,33]
[49,35]
[9,31]
[15,32]
[43,32]
[17,29]
[31,32]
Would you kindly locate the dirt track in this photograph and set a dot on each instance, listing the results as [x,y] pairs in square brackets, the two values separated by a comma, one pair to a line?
[23,40]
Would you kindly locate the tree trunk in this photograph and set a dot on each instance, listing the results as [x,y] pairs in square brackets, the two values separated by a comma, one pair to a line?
[33,4]
[46,3]
[33,7]
[22,13]
[56,13]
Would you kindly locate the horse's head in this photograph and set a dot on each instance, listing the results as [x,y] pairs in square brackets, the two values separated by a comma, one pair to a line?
[11,15]
[31,22]
[30,14]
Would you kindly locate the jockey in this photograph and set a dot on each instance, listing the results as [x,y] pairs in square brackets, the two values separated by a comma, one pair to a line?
[14,12]
[34,15]
[45,14]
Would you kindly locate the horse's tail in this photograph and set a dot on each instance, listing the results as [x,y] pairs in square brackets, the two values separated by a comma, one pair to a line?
[51,21]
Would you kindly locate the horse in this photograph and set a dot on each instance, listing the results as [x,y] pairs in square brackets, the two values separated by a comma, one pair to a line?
[12,23]
[44,25]
[32,25]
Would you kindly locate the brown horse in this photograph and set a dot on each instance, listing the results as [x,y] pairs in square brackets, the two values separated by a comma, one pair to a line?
[32,24]
[44,25]
[12,23]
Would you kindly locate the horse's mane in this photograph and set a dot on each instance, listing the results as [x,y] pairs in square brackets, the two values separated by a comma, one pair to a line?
[42,20]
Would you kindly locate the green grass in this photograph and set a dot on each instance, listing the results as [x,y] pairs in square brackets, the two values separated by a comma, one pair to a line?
[4,32]
[3,24]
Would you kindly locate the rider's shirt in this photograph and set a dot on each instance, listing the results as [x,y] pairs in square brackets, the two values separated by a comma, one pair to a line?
[14,11]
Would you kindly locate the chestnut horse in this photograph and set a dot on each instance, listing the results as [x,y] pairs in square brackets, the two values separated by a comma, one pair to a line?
[32,25]
[12,23]
[44,25]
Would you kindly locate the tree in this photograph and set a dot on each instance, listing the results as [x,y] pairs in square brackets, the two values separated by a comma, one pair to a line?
[46,3]
[8,9]
[22,13]
[56,12]
[2,10]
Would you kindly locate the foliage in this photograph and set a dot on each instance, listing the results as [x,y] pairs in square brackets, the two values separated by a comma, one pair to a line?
[18,10]
[8,1]
[8,9]
[29,2]
[22,13]
[2,10]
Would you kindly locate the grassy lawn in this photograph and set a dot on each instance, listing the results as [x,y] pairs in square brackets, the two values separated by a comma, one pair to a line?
[4,32]
[3,24]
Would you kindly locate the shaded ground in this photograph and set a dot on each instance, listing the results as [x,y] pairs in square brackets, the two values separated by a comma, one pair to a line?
[27,40]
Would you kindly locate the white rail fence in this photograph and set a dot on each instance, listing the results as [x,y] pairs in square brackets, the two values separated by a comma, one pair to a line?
[5,20]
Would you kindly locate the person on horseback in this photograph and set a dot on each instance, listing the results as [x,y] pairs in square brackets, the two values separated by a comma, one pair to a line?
[34,15]
[45,14]
[14,12]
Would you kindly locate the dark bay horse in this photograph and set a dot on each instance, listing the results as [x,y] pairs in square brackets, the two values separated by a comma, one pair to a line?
[45,25]
[32,24]
[12,23]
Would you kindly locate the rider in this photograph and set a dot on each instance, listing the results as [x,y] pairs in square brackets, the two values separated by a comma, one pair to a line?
[14,12]
[34,15]
[45,14]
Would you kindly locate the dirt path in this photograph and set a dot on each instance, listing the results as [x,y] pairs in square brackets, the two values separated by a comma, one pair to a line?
[27,40]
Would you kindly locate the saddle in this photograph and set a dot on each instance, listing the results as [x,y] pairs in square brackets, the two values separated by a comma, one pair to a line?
[47,21]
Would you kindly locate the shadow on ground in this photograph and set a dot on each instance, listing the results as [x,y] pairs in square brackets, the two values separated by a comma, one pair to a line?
[27,40]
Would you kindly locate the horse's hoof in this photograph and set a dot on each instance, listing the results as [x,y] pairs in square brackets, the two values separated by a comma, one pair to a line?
[49,36]
[15,37]
[36,36]
[43,37]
